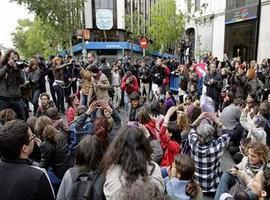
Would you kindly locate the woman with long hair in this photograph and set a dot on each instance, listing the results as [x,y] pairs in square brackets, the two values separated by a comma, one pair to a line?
[33,77]
[87,161]
[73,102]
[58,84]
[128,160]
[55,155]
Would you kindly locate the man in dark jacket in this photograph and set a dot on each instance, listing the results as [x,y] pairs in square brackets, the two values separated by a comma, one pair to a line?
[213,82]
[20,180]
[71,74]
[105,68]
[157,73]
[144,77]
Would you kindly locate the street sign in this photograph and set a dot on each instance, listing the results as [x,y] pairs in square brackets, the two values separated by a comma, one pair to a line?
[143,43]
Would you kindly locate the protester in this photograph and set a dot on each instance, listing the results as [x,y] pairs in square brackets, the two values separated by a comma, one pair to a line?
[12,77]
[73,103]
[99,85]
[87,161]
[19,179]
[129,153]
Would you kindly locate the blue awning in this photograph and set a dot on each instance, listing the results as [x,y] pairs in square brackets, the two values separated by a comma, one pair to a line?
[106,45]
[115,46]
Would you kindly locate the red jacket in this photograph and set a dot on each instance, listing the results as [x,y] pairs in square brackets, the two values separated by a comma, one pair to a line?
[170,147]
[167,76]
[134,87]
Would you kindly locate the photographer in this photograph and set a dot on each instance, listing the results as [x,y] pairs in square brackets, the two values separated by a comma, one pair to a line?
[11,79]
[129,84]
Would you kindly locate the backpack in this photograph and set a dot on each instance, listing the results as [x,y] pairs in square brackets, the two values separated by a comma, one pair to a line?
[83,184]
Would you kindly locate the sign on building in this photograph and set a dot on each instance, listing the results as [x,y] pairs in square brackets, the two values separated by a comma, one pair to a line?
[104,19]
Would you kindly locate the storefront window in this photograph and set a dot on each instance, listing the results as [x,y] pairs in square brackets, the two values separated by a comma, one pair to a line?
[104,4]
[240,40]
[197,5]
[233,4]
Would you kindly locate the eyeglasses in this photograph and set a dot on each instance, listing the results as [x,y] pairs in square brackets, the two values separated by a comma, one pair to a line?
[32,138]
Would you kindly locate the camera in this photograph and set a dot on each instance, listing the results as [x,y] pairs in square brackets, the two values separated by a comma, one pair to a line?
[21,64]
[129,81]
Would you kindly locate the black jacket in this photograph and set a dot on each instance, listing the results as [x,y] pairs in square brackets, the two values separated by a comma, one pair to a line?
[71,71]
[213,90]
[144,74]
[57,156]
[21,181]
[157,74]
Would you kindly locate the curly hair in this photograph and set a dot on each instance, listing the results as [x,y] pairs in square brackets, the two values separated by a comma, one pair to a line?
[7,115]
[131,150]
[260,149]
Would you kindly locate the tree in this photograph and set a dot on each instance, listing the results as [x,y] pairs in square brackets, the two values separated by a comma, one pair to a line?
[32,37]
[166,24]
[64,15]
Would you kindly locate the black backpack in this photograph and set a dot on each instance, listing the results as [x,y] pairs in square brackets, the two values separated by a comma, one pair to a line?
[83,184]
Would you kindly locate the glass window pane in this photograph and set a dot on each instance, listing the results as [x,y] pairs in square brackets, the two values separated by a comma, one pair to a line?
[197,5]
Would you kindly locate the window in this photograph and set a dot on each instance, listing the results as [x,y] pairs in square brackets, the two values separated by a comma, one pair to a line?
[197,5]
[189,6]
[104,4]
[233,4]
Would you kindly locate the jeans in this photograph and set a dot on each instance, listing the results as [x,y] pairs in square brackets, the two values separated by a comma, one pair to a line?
[226,182]
[60,102]
[34,100]
[84,99]
[18,106]
[55,181]
[117,97]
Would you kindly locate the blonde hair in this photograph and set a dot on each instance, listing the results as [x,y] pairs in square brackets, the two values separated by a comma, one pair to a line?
[251,73]
[183,121]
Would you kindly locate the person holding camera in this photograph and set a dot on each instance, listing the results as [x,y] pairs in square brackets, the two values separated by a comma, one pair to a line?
[129,85]
[12,77]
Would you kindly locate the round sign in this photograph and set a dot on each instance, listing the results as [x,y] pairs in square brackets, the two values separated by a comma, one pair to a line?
[143,43]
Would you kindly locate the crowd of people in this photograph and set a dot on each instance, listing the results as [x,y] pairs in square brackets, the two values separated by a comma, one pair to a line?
[116,131]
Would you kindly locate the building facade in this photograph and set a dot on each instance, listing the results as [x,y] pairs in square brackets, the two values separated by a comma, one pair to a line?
[235,28]
[106,20]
